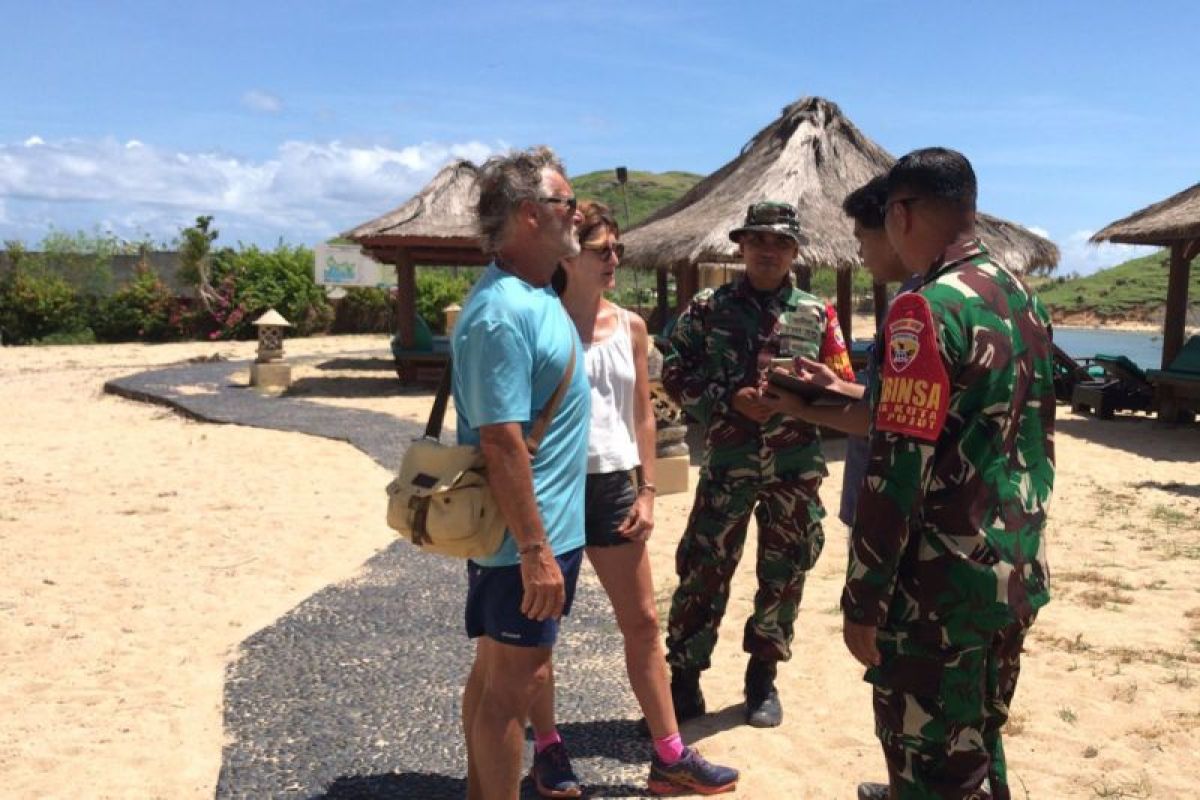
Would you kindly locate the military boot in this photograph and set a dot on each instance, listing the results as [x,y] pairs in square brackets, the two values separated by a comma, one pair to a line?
[686,694]
[874,791]
[763,709]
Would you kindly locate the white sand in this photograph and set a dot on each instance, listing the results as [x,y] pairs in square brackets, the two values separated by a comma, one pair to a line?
[139,549]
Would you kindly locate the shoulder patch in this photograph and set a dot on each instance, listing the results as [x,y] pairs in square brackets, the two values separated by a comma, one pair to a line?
[915,389]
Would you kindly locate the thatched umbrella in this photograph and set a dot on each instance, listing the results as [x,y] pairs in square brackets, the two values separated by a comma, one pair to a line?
[1173,223]
[437,226]
[811,156]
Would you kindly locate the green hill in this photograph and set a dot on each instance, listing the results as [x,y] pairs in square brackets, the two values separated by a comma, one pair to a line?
[1132,291]
[648,191]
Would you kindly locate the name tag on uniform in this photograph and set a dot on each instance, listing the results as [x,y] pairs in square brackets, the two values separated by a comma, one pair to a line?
[799,333]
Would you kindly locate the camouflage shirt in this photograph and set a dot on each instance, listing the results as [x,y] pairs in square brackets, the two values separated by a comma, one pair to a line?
[725,341]
[948,537]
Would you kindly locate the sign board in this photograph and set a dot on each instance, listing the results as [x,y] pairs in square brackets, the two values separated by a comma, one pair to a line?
[347,265]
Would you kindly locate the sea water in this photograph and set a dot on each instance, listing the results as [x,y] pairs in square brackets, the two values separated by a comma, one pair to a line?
[1142,347]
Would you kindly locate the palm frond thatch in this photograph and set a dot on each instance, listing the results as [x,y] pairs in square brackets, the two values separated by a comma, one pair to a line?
[1175,219]
[444,209]
[811,156]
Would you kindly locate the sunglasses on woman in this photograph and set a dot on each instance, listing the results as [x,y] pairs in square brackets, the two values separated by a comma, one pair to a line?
[608,250]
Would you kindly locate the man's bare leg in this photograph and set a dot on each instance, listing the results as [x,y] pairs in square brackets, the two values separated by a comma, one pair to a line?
[512,677]
[470,707]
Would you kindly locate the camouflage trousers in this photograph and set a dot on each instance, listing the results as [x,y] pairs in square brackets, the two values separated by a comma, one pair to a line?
[939,713]
[790,539]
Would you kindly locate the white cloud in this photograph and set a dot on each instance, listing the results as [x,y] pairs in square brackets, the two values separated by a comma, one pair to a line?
[33,141]
[305,190]
[1042,232]
[265,102]
[1079,255]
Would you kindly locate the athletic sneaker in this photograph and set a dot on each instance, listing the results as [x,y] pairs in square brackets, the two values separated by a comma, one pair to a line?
[690,775]
[552,775]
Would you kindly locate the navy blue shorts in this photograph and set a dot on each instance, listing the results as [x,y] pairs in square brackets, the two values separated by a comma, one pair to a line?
[607,499]
[494,603]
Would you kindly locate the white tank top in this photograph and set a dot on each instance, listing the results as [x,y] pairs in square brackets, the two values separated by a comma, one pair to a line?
[612,445]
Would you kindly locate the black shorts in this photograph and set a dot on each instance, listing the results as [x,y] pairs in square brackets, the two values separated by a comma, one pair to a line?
[494,603]
[606,503]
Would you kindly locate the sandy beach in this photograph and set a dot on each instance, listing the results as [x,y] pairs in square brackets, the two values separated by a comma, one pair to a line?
[139,548]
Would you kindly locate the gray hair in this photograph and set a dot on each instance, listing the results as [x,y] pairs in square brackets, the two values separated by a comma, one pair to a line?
[504,182]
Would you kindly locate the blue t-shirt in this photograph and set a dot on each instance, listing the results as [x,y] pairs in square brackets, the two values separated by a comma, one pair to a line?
[511,347]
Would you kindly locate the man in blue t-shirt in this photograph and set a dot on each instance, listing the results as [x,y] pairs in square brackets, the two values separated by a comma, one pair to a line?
[512,345]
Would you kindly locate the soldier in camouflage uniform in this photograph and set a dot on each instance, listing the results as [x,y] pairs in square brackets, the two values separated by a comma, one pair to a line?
[754,460]
[947,566]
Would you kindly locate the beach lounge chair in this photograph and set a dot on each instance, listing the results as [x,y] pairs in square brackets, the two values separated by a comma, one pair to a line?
[1123,387]
[426,360]
[1179,383]
[1068,372]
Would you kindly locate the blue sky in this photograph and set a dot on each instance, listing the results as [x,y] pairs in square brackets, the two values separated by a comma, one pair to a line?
[296,120]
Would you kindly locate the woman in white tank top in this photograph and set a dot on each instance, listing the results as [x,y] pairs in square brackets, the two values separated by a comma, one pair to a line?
[619,505]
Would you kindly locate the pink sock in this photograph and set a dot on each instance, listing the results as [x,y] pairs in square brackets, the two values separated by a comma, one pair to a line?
[543,740]
[669,748]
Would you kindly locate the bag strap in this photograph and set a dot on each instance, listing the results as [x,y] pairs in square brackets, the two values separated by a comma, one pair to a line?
[437,414]
[534,440]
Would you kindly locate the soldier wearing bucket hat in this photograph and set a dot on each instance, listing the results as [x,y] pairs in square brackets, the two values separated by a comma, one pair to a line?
[755,461]
[771,217]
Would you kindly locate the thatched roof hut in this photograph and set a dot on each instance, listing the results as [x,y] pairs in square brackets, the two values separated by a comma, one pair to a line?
[437,226]
[811,156]
[1173,223]
[1175,219]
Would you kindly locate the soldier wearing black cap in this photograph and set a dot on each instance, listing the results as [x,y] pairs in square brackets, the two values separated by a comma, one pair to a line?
[754,460]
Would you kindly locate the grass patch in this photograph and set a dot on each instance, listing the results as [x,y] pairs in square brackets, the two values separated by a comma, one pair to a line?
[1108,788]
[1126,693]
[1119,291]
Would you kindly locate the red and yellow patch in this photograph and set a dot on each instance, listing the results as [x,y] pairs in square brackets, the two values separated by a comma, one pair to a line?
[834,352]
[915,391]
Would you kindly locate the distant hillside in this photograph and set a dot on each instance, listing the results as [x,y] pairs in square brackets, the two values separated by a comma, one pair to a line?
[1133,292]
[648,191]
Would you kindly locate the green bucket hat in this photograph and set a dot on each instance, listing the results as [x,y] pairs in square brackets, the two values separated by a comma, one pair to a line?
[771,217]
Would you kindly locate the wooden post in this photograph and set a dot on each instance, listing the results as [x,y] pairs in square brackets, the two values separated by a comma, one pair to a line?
[663,302]
[879,294]
[406,300]
[1177,296]
[687,283]
[845,302]
[804,277]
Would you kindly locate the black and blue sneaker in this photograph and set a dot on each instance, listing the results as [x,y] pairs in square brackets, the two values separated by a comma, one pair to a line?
[552,775]
[690,775]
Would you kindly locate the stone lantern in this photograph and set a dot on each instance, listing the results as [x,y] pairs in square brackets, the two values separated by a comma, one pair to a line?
[269,372]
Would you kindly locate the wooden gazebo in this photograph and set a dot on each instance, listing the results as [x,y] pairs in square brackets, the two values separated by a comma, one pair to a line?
[811,156]
[436,227]
[1172,223]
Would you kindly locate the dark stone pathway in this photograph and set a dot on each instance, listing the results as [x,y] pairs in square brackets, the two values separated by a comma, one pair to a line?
[355,692]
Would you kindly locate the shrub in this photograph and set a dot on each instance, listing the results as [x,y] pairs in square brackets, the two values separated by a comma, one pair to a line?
[35,303]
[366,310]
[249,281]
[437,289]
[84,336]
[144,309]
